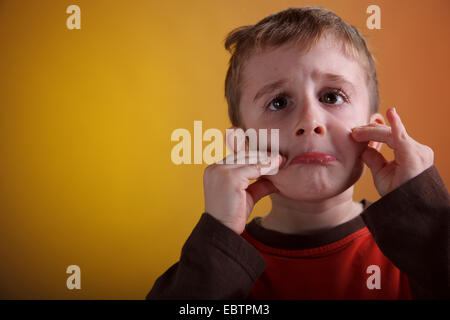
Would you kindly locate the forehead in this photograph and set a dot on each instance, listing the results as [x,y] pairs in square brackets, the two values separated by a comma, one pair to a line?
[291,62]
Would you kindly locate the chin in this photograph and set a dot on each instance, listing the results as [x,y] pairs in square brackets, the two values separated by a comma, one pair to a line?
[315,184]
[310,191]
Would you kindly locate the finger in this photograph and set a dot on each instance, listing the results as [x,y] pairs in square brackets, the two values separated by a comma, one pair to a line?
[254,171]
[261,157]
[273,166]
[380,133]
[236,140]
[374,160]
[236,158]
[260,189]
[269,164]
[245,157]
[253,157]
[398,129]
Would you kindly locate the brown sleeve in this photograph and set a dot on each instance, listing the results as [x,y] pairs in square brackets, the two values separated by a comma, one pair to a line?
[411,227]
[215,263]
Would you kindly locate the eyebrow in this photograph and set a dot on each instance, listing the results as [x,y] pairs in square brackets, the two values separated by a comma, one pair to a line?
[333,78]
[269,88]
[317,74]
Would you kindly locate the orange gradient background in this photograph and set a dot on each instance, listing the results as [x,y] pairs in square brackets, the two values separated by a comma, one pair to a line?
[87,115]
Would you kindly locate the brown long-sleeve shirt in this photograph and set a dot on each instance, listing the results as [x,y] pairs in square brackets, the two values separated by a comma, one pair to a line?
[405,234]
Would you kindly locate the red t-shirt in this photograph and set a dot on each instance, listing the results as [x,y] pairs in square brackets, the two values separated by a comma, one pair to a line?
[342,263]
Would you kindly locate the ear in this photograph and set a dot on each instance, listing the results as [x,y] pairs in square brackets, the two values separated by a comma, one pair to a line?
[230,140]
[376,118]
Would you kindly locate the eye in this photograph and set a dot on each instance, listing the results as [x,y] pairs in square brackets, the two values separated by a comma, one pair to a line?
[279,103]
[334,97]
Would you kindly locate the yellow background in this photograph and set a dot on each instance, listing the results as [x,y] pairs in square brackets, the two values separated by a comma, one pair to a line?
[86,118]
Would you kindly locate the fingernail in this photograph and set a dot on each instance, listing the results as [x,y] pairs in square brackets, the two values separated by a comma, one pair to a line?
[265,161]
[269,171]
[395,111]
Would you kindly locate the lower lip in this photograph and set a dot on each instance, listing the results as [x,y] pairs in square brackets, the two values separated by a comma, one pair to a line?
[313,158]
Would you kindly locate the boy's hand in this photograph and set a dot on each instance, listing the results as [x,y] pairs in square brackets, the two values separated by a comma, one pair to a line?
[411,157]
[229,196]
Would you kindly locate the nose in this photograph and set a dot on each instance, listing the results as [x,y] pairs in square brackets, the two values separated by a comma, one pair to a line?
[310,122]
[317,129]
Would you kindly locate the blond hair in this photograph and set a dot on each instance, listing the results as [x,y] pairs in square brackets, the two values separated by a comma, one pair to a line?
[299,25]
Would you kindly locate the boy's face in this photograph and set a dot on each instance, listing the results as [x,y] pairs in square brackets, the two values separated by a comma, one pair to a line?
[324,96]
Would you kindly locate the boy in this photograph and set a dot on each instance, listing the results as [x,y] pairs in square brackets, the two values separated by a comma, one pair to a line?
[309,74]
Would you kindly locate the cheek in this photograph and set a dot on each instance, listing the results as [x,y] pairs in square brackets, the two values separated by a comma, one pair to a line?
[271,138]
[340,129]
[359,149]
[351,152]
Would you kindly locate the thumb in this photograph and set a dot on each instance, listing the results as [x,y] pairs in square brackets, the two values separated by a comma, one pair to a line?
[373,159]
[261,188]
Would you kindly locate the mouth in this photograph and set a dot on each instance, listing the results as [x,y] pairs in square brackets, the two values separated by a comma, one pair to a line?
[312,158]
